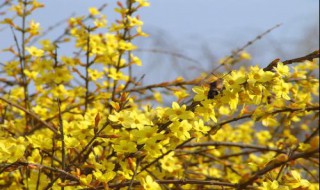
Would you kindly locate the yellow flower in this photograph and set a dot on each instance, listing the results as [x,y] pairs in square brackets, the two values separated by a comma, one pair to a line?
[61,75]
[93,11]
[59,91]
[293,179]
[270,121]
[181,129]
[135,60]
[149,184]
[199,126]
[282,70]
[34,28]
[104,176]
[259,75]
[100,22]
[117,75]
[180,94]
[153,148]
[126,46]
[281,90]
[31,74]
[207,112]
[94,74]
[35,51]
[47,45]
[120,117]
[178,112]
[235,80]
[170,163]
[201,93]
[125,146]
[133,21]
[143,3]
[245,55]
[18,9]
[86,179]
[158,97]
[140,32]
[270,185]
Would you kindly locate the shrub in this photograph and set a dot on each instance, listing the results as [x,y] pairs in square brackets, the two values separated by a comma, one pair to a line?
[85,121]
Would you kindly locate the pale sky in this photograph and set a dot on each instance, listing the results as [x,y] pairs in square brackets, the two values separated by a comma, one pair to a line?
[192,27]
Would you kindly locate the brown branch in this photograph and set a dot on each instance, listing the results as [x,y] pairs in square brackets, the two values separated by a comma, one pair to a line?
[39,166]
[238,154]
[231,144]
[236,52]
[308,57]
[219,125]
[272,166]
[87,78]
[174,54]
[163,155]
[163,85]
[50,29]
[67,30]
[61,129]
[31,114]
[178,182]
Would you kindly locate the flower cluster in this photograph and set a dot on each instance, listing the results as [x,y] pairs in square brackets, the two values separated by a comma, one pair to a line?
[83,120]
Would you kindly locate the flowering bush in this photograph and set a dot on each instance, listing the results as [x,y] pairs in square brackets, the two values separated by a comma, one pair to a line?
[82,121]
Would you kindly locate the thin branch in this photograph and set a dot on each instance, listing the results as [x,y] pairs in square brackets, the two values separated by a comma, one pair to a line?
[181,56]
[23,58]
[232,144]
[163,155]
[236,52]
[40,166]
[135,173]
[39,173]
[218,126]
[309,57]
[274,165]
[178,182]
[87,72]
[31,114]
[67,30]
[50,29]
[90,143]
[163,85]
[63,150]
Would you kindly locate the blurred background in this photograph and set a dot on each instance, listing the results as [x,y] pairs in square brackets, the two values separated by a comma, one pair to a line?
[188,37]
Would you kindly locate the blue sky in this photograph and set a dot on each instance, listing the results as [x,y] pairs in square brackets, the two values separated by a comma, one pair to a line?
[190,27]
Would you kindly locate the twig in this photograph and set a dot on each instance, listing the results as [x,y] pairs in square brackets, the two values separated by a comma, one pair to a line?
[87,73]
[178,181]
[163,155]
[39,173]
[50,29]
[23,58]
[135,173]
[181,56]
[236,52]
[63,151]
[67,30]
[121,52]
[162,85]
[272,166]
[31,114]
[308,57]
[41,166]
[231,144]
[90,143]
[218,126]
